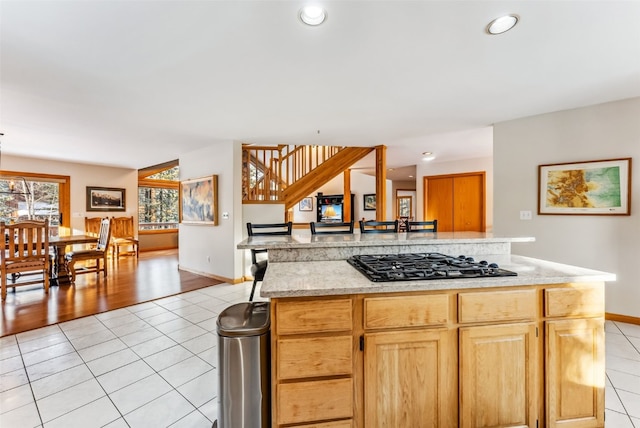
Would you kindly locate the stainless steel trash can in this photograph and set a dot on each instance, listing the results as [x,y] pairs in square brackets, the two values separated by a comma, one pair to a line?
[245,367]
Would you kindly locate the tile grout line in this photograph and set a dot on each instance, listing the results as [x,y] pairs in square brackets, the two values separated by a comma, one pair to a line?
[33,395]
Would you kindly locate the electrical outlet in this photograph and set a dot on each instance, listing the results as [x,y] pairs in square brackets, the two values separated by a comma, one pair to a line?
[525,215]
[225,216]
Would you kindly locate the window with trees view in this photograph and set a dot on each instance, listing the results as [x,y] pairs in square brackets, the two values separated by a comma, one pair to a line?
[158,199]
[29,199]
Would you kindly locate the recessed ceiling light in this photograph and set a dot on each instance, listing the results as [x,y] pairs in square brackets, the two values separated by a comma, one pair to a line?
[428,156]
[502,24]
[313,15]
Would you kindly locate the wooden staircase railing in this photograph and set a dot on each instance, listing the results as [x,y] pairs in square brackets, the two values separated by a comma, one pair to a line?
[322,174]
[286,174]
[268,170]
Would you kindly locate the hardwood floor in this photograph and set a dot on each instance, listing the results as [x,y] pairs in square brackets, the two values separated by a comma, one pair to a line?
[154,275]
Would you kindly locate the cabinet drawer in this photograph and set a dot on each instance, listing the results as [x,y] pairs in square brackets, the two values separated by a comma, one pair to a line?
[338,424]
[406,311]
[574,301]
[313,316]
[314,401]
[497,306]
[315,357]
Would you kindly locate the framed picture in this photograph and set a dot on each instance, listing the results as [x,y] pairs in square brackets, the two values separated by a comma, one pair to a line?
[306,204]
[199,201]
[369,202]
[106,199]
[591,187]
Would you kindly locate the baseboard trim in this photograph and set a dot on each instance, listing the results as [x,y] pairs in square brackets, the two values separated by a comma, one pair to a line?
[622,318]
[210,275]
[172,247]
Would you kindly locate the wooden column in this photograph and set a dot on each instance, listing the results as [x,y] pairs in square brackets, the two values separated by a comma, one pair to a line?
[381,182]
[346,208]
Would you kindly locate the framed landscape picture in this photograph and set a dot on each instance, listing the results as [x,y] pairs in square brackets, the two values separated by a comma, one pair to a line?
[585,188]
[306,204]
[369,202]
[199,201]
[106,199]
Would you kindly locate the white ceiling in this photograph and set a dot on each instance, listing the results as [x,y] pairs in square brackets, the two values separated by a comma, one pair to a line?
[137,83]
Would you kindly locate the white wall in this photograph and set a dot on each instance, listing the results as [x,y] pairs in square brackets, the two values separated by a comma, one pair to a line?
[81,176]
[211,250]
[609,243]
[426,169]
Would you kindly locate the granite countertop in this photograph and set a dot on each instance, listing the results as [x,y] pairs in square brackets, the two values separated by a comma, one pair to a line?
[337,277]
[301,241]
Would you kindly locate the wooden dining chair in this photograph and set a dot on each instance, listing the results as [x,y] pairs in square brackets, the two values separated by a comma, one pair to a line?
[92,228]
[123,235]
[403,223]
[97,254]
[423,226]
[259,257]
[26,253]
[330,228]
[379,226]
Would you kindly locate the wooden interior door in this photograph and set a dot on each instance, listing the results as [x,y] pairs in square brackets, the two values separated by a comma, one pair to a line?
[456,201]
[468,203]
[439,202]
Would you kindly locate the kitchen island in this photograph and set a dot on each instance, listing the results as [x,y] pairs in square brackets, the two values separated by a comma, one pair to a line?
[525,350]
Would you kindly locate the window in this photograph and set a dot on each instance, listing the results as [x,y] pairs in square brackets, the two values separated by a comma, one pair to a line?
[158,197]
[404,206]
[27,196]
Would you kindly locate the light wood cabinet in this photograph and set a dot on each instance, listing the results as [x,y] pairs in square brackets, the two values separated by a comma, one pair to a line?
[409,379]
[314,401]
[313,360]
[406,311]
[523,356]
[575,373]
[315,357]
[498,376]
[477,307]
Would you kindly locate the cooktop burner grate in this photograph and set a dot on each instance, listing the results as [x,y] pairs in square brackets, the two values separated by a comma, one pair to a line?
[423,266]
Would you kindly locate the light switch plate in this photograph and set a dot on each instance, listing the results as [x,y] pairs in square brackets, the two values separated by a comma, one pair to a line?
[525,215]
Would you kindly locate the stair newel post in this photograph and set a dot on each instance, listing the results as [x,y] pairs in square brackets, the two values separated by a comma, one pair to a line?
[381,183]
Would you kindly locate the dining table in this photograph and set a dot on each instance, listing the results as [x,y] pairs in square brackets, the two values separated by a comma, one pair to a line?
[60,275]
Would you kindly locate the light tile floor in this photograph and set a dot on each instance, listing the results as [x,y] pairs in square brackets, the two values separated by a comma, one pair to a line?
[156,365]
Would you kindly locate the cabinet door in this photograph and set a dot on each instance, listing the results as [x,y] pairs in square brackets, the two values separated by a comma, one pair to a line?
[575,373]
[498,376]
[410,379]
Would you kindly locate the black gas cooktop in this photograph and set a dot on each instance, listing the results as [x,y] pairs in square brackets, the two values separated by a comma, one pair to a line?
[423,266]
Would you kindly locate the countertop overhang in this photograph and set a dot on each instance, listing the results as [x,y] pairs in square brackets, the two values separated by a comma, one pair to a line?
[305,241]
[337,277]
[307,247]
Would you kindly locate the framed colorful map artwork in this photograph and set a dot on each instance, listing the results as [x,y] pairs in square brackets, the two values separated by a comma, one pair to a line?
[585,188]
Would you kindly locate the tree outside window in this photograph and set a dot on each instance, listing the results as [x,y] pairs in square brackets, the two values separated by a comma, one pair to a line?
[22,199]
[158,200]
